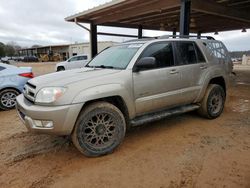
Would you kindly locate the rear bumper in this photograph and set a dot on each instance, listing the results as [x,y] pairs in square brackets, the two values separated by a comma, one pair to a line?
[63,117]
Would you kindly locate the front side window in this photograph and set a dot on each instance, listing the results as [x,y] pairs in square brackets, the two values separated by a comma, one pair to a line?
[73,59]
[82,58]
[117,57]
[186,53]
[162,52]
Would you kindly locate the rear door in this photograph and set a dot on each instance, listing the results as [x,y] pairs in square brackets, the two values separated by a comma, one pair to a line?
[157,88]
[192,65]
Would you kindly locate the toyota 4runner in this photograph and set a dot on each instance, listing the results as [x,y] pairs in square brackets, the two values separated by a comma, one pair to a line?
[126,85]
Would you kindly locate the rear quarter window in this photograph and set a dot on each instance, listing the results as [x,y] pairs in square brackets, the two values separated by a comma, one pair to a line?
[217,50]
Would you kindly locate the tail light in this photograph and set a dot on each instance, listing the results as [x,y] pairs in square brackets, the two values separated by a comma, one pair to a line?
[27,75]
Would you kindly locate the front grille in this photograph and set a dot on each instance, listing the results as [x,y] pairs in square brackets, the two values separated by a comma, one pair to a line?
[31,85]
[29,92]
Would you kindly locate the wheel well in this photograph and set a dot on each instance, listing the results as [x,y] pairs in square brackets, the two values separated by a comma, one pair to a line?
[219,81]
[10,88]
[60,67]
[116,101]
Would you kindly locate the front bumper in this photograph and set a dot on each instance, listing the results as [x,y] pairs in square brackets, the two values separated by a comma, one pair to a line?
[63,117]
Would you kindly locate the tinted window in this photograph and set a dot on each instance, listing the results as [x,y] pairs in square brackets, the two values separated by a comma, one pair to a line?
[186,53]
[73,59]
[200,56]
[162,52]
[2,68]
[82,58]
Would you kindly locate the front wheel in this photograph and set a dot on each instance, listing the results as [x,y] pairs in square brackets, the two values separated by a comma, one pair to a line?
[60,69]
[8,99]
[99,129]
[212,104]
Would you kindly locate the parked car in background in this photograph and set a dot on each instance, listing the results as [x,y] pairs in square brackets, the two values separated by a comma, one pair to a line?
[5,60]
[12,81]
[30,59]
[74,62]
[18,58]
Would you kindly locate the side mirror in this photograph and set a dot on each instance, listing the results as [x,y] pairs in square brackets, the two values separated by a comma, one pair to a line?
[145,63]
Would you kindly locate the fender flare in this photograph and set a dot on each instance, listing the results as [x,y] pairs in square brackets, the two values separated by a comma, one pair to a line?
[104,91]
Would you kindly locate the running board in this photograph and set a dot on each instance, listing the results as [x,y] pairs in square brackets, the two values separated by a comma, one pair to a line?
[162,114]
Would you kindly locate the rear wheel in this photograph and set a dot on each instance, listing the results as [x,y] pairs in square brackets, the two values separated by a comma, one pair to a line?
[8,99]
[99,129]
[212,104]
[60,69]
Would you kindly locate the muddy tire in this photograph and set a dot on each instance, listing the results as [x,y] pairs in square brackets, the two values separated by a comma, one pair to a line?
[8,99]
[212,104]
[99,129]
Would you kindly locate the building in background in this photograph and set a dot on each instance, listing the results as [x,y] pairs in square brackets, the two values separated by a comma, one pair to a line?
[245,60]
[62,51]
[84,48]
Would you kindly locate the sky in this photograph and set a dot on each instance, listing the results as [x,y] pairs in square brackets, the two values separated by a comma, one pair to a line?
[33,22]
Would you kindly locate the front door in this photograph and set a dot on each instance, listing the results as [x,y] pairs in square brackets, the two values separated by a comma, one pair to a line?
[157,88]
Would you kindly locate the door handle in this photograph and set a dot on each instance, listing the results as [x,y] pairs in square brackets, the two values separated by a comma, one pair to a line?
[203,67]
[174,71]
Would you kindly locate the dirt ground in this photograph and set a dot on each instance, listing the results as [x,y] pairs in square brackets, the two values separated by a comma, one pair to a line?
[182,151]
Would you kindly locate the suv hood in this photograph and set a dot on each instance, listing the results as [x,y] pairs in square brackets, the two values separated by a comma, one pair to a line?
[64,78]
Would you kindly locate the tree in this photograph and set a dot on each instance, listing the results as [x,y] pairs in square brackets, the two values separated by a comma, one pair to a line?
[36,46]
[9,50]
[2,50]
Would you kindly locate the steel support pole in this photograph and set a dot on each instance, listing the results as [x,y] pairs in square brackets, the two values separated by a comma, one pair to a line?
[93,39]
[185,17]
[199,35]
[174,32]
[139,31]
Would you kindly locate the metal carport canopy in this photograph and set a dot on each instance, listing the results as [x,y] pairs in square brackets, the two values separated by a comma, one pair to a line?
[196,16]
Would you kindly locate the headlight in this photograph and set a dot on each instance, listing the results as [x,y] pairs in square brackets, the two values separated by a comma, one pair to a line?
[49,94]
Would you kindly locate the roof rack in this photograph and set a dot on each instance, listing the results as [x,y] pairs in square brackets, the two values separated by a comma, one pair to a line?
[185,36]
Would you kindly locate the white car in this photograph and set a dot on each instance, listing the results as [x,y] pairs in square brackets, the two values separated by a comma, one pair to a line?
[74,62]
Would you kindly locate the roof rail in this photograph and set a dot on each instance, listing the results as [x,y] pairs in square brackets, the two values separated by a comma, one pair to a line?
[185,36]
[142,39]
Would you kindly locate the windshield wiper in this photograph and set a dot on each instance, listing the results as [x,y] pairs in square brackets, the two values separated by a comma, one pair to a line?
[102,66]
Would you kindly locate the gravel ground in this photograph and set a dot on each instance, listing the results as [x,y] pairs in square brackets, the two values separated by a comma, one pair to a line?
[181,151]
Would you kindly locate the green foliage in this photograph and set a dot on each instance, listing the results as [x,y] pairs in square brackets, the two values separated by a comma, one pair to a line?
[9,49]
[2,50]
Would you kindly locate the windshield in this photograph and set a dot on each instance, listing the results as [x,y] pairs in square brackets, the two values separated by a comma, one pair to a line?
[117,57]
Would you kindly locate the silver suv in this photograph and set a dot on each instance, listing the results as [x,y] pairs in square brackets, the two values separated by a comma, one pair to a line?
[126,85]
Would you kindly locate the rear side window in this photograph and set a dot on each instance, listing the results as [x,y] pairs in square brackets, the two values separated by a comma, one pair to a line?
[189,53]
[162,52]
[186,53]
[2,68]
